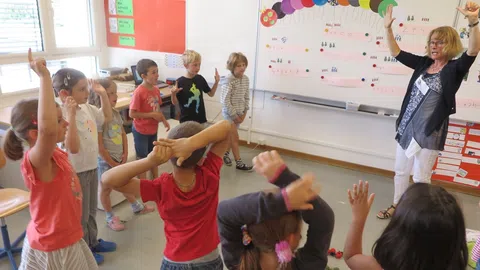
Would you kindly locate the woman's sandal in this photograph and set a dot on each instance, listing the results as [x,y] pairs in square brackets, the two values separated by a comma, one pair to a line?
[385,214]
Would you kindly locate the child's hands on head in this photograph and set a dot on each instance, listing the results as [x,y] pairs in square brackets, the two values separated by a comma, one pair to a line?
[360,201]
[181,148]
[268,163]
[39,65]
[301,192]
[160,154]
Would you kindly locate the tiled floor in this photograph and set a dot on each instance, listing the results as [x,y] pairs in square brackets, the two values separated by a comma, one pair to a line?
[141,245]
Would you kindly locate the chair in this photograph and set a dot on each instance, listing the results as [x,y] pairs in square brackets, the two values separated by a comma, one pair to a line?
[12,200]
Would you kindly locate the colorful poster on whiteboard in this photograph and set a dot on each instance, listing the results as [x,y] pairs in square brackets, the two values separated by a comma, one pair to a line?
[157,25]
[460,160]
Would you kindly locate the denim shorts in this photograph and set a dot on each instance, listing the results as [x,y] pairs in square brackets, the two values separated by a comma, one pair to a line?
[143,143]
[102,167]
[216,264]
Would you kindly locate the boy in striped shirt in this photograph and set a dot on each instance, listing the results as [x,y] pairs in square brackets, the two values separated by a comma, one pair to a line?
[235,100]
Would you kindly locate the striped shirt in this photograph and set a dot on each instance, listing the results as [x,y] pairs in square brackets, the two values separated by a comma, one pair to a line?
[476,251]
[235,96]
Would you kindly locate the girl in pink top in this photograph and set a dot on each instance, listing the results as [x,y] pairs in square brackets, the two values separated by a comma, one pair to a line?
[54,234]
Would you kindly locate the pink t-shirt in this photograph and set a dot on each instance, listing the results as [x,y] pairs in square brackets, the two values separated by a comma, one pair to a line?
[190,218]
[55,207]
[144,101]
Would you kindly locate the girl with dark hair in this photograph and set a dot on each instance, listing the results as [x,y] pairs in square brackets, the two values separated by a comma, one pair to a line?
[427,231]
[262,230]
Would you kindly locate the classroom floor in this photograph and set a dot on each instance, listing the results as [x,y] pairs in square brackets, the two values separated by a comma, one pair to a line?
[141,245]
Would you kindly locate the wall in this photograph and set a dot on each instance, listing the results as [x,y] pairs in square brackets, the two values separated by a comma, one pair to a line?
[357,138]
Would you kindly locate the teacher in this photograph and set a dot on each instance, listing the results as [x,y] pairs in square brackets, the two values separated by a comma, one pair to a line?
[430,98]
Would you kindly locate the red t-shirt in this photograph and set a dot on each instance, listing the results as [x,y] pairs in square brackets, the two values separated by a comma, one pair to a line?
[190,217]
[55,207]
[144,101]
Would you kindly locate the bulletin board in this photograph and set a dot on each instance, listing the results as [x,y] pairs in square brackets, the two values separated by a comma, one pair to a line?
[154,25]
[460,160]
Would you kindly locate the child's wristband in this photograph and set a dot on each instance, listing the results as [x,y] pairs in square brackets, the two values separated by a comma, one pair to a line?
[277,174]
[286,200]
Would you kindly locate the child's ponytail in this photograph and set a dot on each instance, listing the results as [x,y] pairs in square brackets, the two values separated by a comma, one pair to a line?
[12,146]
[250,259]
[23,119]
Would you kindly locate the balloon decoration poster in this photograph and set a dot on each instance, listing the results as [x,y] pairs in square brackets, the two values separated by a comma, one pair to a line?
[157,25]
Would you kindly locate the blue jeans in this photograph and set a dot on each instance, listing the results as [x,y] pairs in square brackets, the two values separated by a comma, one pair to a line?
[143,143]
[216,264]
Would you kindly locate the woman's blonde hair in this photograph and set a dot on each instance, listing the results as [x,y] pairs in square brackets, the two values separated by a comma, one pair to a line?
[190,56]
[234,59]
[453,44]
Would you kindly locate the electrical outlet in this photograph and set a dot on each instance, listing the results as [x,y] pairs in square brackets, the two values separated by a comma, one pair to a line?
[262,141]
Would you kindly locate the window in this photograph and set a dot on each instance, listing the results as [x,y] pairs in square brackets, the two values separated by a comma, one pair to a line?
[20,29]
[62,31]
[18,77]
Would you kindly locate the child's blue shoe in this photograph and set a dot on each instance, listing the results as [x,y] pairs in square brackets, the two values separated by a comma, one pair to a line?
[104,246]
[98,257]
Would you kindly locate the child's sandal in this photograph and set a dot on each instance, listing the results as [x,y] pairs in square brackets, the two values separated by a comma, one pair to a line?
[385,214]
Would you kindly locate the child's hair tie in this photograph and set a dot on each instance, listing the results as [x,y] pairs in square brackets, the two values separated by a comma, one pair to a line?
[284,252]
[247,239]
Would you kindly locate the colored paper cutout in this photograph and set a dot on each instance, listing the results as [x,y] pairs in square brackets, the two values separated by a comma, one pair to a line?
[347,82]
[308,3]
[345,34]
[382,8]
[126,26]
[126,41]
[354,3]
[296,4]
[277,7]
[374,5]
[343,56]
[289,72]
[269,17]
[320,2]
[365,4]
[125,7]
[287,7]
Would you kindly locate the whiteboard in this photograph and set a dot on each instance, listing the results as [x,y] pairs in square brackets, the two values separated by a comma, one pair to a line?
[333,50]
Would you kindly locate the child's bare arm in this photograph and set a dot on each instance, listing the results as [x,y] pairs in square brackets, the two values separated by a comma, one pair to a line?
[125,146]
[3,161]
[46,121]
[102,93]
[216,134]
[72,141]
[104,152]
[122,178]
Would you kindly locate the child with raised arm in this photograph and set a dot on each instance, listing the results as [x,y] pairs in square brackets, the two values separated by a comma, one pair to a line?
[189,89]
[54,233]
[82,145]
[262,230]
[113,151]
[427,231]
[187,199]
